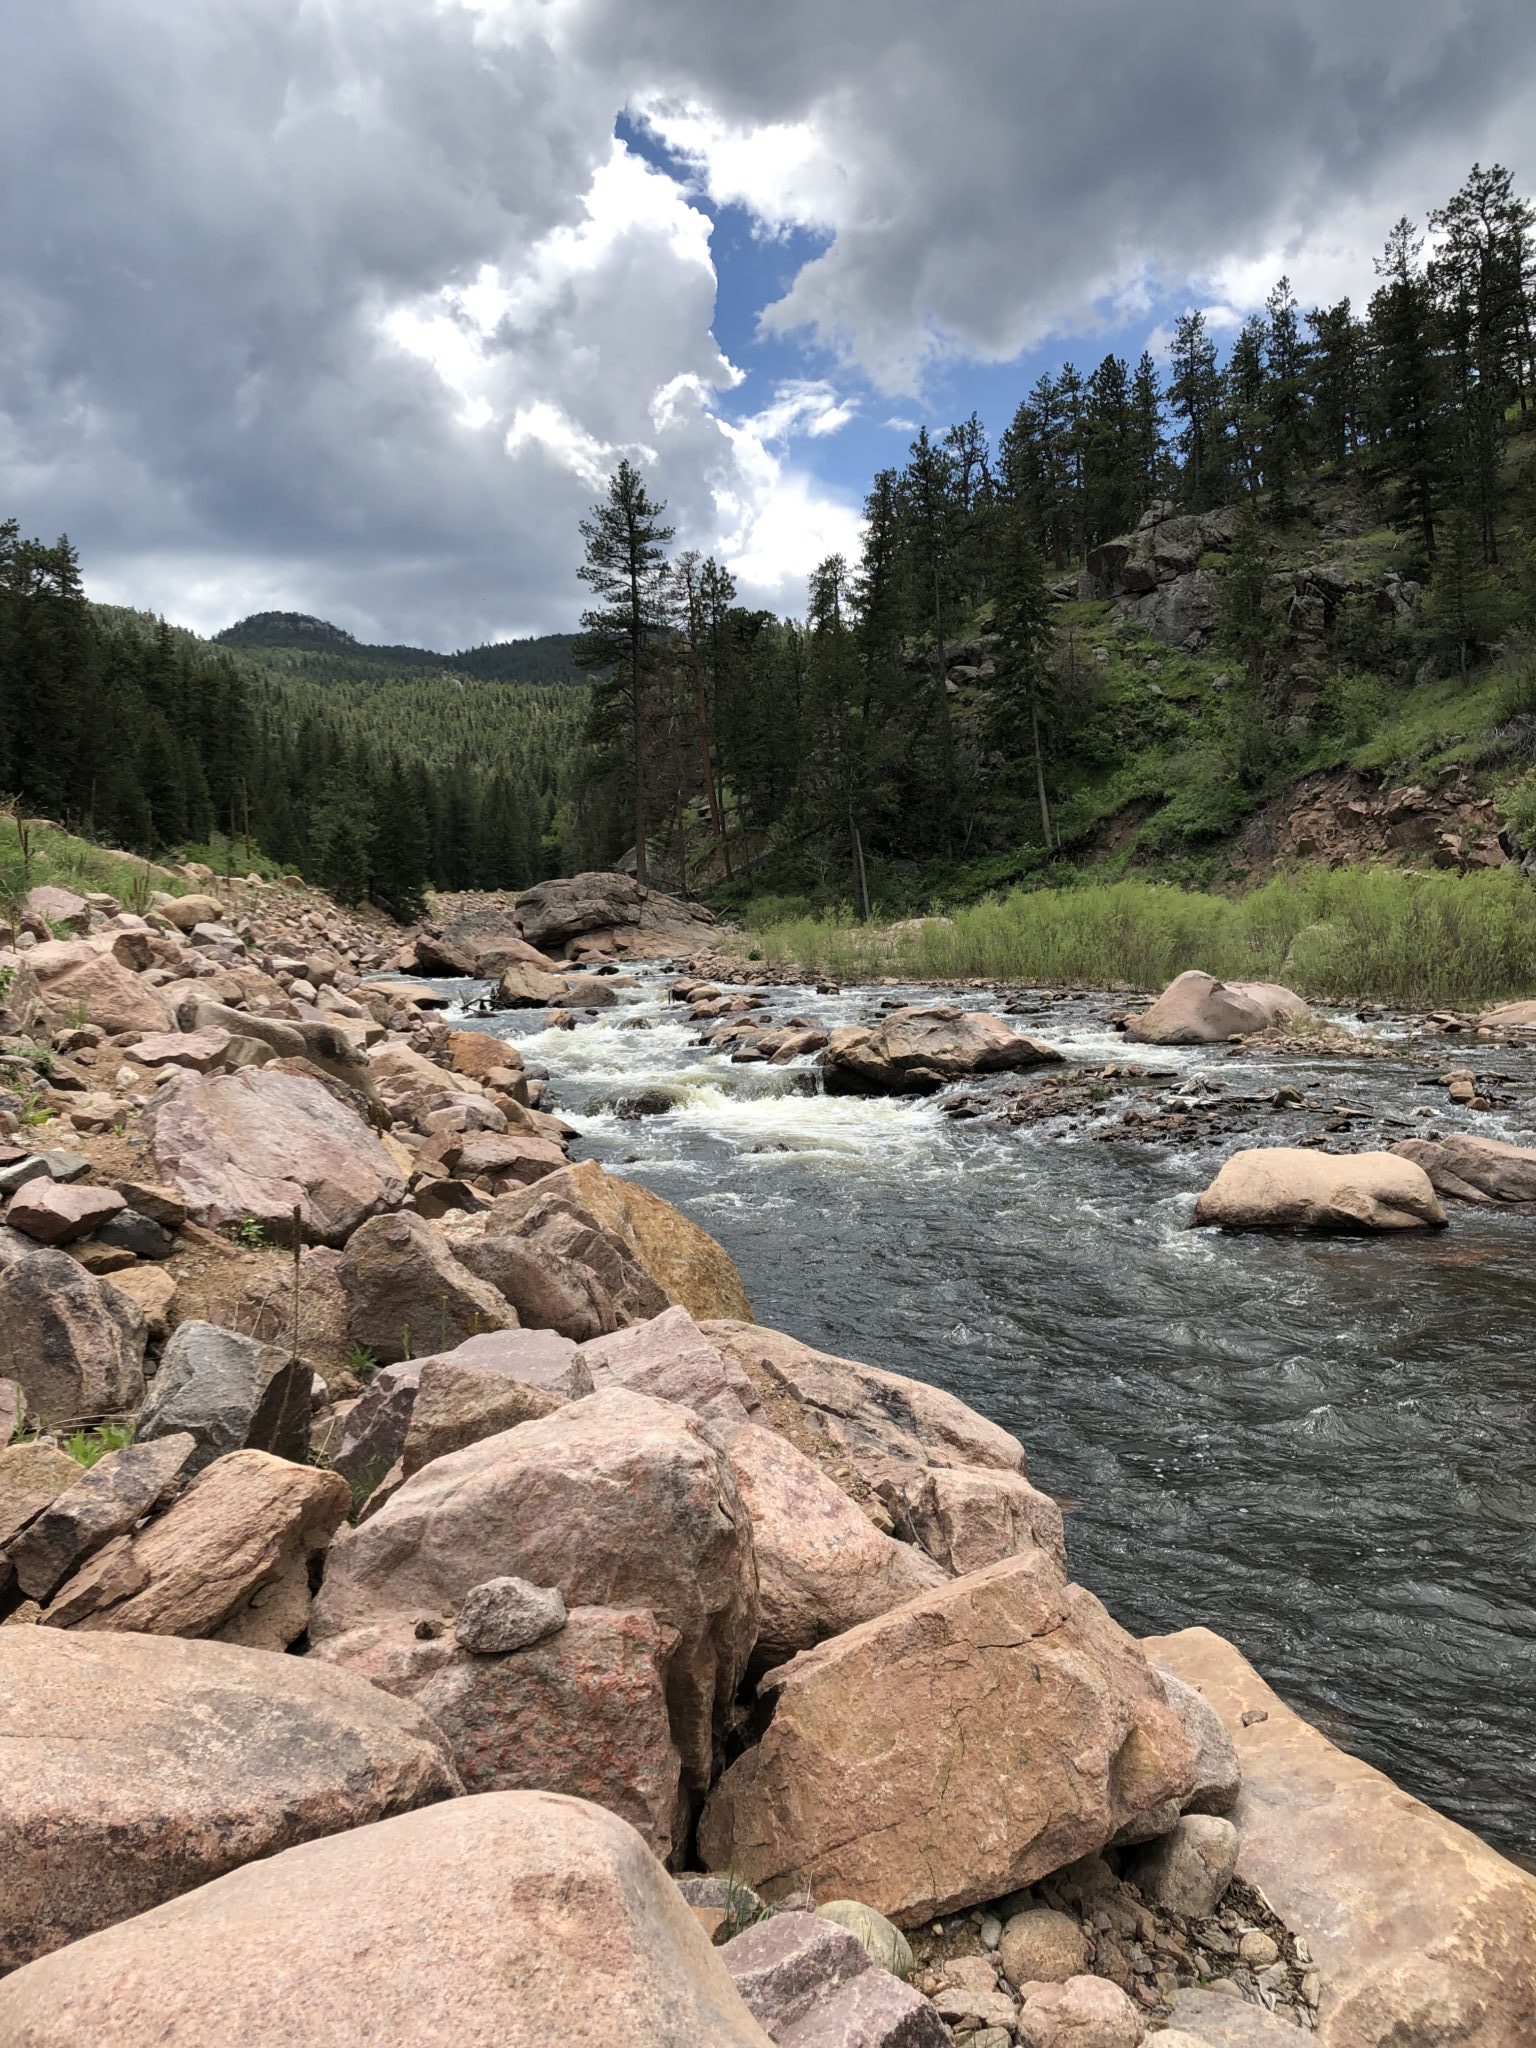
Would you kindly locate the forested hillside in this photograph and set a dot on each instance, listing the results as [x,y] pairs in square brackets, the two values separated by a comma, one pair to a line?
[1118,631]
[371,776]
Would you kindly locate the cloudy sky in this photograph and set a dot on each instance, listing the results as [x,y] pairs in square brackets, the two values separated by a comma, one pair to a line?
[348,306]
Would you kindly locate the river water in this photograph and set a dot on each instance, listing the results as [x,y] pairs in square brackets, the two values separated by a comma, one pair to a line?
[1321,1448]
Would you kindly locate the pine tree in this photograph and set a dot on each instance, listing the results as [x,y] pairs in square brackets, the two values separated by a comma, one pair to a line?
[1194,393]
[1407,417]
[1465,606]
[1019,694]
[626,546]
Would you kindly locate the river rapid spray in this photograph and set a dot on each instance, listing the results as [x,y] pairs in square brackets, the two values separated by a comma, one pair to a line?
[1321,1448]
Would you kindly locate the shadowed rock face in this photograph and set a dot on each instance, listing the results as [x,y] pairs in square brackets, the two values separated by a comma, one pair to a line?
[1423,1934]
[1283,1187]
[957,1748]
[134,1767]
[519,1919]
[74,1343]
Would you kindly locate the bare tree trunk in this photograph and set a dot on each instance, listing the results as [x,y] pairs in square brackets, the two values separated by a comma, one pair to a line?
[861,880]
[1045,809]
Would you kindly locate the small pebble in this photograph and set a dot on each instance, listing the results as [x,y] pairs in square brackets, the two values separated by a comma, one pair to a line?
[991,1930]
[1258,1949]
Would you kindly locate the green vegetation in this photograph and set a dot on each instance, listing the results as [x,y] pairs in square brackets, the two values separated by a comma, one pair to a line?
[248,1233]
[1431,941]
[89,1446]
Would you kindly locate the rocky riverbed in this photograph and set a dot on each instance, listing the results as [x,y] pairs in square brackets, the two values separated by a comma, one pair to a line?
[410,1542]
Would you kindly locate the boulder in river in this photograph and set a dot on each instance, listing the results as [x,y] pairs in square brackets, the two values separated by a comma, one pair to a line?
[1422,1935]
[970,1741]
[1509,1017]
[918,1051]
[1474,1169]
[521,1919]
[1197,1009]
[1289,1187]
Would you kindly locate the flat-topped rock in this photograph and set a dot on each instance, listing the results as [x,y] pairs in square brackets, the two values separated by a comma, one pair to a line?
[1423,1935]
[136,1767]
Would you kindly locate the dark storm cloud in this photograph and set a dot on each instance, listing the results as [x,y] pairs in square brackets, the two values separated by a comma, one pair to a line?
[216,215]
[994,170]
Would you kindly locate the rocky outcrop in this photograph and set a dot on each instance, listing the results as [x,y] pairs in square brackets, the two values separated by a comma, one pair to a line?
[619,1500]
[1343,818]
[918,1051]
[1421,1933]
[518,1918]
[259,1145]
[581,1711]
[964,1744]
[1197,1009]
[1284,1187]
[1466,1168]
[231,1557]
[134,1768]
[75,1344]
[610,913]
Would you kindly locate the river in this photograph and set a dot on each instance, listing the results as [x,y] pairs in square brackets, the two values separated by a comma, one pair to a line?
[1321,1448]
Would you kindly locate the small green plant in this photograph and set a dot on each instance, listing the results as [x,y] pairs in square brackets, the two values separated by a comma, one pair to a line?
[7,983]
[249,1234]
[360,1362]
[88,1446]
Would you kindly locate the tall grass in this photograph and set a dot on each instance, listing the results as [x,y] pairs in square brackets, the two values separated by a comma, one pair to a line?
[1429,941]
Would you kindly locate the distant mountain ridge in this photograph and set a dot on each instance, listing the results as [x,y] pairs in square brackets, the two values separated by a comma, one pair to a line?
[539,658]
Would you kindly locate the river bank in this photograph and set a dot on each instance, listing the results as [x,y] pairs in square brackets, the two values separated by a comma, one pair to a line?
[493,1451]
[1435,941]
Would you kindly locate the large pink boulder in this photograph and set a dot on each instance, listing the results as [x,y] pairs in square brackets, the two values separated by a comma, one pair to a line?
[257,1144]
[618,1500]
[1286,1187]
[84,978]
[135,1767]
[1197,1009]
[1474,1169]
[970,1741]
[515,1920]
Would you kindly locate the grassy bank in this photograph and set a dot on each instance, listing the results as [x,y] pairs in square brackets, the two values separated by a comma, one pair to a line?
[1424,941]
